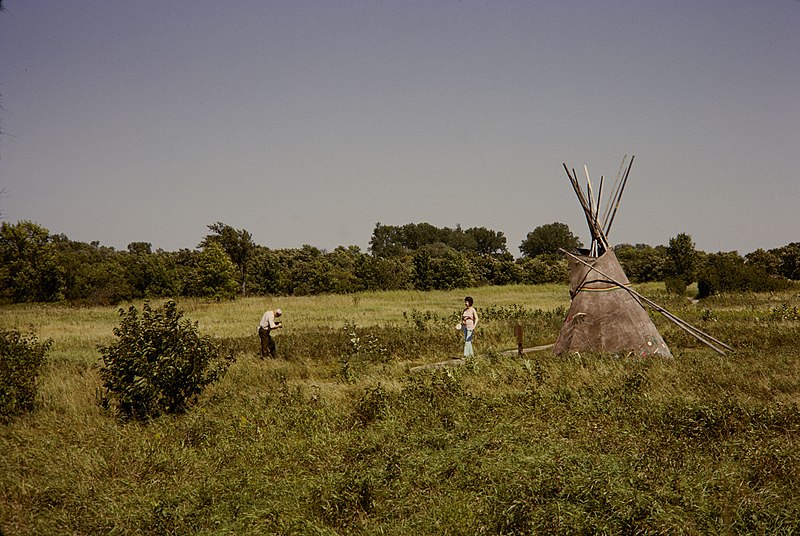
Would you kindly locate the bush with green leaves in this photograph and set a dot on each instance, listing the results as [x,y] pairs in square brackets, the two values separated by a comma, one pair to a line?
[159,363]
[21,359]
[728,272]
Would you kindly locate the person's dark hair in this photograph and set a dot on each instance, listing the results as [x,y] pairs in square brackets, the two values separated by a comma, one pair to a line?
[468,299]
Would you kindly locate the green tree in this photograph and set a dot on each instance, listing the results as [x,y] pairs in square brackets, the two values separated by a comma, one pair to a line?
[185,262]
[344,261]
[768,261]
[451,271]
[392,241]
[642,262]
[140,248]
[494,270]
[423,271]
[310,271]
[416,235]
[269,274]
[214,274]
[727,272]
[149,274]
[459,240]
[237,243]
[29,271]
[547,239]
[790,260]
[382,273]
[682,263]
[386,241]
[543,269]
[487,242]
[93,274]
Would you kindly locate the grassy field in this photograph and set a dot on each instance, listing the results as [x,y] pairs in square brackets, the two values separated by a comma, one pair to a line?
[341,437]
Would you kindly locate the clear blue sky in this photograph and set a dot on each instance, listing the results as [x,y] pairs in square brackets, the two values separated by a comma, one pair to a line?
[308,122]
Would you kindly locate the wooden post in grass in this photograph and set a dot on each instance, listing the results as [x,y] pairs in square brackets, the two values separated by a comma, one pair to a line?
[518,331]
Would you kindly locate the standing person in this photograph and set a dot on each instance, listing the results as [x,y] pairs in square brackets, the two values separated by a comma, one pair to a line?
[469,321]
[267,324]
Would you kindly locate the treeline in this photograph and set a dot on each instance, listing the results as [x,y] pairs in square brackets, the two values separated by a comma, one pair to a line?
[37,266]
[680,264]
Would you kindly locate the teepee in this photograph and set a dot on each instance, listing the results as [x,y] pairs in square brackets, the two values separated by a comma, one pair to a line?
[605,315]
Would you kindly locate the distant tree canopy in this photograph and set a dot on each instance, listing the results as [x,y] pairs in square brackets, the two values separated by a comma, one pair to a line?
[391,240]
[682,263]
[547,239]
[789,256]
[729,272]
[238,244]
[643,263]
[29,269]
[36,266]
[682,257]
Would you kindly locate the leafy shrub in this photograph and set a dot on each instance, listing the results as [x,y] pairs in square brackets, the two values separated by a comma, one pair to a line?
[727,272]
[676,285]
[439,268]
[214,275]
[543,270]
[21,360]
[366,342]
[372,406]
[421,319]
[495,270]
[643,263]
[159,363]
[29,269]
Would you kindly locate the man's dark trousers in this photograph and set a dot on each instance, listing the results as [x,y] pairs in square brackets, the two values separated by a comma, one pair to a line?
[267,344]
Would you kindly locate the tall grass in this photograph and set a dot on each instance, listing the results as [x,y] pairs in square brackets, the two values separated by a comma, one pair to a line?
[339,437]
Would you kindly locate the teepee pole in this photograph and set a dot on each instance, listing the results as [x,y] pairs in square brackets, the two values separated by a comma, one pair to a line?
[598,236]
[576,186]
[613,194]
[619,195]
[592,210]
[690,329]
[596,214]
[573,179]
[599,200]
